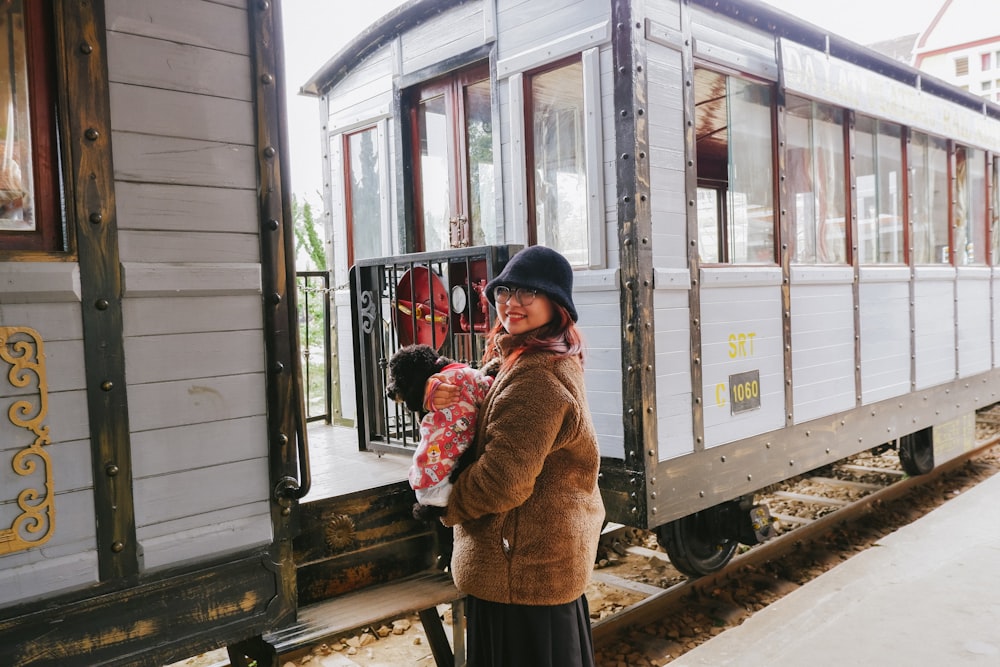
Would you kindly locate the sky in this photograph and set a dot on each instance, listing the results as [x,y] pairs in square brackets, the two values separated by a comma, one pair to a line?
[316,30]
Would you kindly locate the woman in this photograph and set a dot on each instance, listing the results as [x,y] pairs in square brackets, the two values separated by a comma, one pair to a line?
[527,512]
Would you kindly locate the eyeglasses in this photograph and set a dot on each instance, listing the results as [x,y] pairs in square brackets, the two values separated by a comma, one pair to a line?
[525,297]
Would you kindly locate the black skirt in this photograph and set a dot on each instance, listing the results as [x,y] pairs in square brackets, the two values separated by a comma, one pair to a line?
[514,635]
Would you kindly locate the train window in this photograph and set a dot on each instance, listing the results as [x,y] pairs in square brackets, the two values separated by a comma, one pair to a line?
[970,206]
[817,190]
[558,193]
[733,147]
[879,191]
[454,182]
[929,197]
[363,192]
[30,213]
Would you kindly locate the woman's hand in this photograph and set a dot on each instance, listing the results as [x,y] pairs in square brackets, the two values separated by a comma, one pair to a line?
[439,393]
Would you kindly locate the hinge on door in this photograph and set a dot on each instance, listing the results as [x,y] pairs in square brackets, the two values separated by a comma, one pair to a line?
[459,232]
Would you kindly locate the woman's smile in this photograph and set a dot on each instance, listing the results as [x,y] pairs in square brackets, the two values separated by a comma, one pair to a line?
[517,319]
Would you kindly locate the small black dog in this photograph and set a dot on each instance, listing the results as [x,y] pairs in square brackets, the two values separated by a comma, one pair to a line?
[409,369]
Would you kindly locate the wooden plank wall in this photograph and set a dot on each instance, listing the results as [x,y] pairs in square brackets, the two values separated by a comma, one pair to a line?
[185,170]
[69,558]
[822,341]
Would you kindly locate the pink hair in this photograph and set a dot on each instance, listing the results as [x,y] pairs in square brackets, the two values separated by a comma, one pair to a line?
[560,337]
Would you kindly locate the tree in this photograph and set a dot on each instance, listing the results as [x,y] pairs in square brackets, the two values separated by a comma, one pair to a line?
[307,236]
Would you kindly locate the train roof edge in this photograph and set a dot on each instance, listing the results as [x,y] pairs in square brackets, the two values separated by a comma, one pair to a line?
[752,12]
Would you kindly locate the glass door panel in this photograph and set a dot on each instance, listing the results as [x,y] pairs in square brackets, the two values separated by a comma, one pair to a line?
[482,224]
[435,183]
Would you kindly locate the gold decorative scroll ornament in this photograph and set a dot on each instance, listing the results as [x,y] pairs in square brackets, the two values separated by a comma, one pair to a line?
[22,349]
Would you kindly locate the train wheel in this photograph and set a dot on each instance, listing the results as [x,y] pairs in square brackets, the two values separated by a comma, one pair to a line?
[695,544]
[916,452]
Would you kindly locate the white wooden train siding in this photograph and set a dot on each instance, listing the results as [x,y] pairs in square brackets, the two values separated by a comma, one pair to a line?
[185,177]
[741,332]
[934,325]
[975,354]
[671,278]
[822,341]
[45,296]
[884,306]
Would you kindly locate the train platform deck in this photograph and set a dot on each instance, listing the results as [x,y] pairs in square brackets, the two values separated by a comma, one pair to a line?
[929,594]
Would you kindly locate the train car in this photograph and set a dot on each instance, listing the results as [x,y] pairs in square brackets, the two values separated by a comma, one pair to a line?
[785,244]
[152,449]
[785,248]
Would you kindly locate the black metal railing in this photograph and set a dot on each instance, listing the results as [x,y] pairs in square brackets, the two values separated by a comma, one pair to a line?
[434,298]
[314,341]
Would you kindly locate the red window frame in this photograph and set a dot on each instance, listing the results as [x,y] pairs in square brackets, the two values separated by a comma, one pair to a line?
[49,235]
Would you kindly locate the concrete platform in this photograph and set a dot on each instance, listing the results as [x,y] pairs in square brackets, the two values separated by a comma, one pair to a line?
[928,595]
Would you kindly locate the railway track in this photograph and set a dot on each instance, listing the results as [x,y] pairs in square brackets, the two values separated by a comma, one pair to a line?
[811,507]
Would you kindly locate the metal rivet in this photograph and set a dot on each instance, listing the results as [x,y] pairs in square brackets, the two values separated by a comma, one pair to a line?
[276,298]
[107,385]
[86,49]
[117,547]
[91,134]
[272,224]
[267,79]
[282,439]
[111,470]
[278,367]
[269,152]
[96,218]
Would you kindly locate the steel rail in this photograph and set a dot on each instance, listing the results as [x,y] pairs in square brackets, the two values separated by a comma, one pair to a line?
[654,608]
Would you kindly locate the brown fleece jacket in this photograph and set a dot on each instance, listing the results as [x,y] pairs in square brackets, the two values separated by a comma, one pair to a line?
[528,512]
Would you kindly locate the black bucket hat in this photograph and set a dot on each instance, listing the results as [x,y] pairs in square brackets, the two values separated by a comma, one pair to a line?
[539,268]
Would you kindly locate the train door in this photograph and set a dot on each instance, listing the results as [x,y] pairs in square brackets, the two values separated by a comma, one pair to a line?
[451,133]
